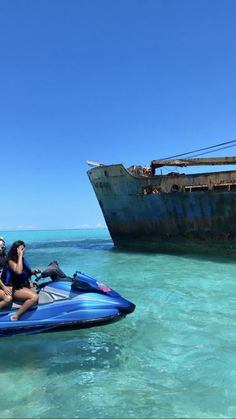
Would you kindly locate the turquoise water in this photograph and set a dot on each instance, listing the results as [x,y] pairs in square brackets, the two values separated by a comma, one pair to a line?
[173,357]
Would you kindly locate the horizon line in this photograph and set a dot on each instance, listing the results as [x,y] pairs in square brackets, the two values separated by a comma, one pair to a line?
[53,229]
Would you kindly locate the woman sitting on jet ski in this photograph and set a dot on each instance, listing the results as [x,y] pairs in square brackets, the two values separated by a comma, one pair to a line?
[20,274]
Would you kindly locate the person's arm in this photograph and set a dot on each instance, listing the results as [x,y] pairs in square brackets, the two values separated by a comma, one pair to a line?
[36,271]
[6,289]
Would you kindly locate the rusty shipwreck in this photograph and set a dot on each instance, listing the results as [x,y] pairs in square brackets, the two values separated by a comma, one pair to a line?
[173,212]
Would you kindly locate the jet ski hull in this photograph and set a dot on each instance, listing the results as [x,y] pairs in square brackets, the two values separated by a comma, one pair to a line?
[62,307]
[27,328]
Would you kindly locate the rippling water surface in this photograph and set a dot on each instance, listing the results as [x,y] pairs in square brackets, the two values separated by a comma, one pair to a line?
[175,356]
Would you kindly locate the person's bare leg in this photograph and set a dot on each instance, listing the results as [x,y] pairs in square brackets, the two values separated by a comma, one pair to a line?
[30,298]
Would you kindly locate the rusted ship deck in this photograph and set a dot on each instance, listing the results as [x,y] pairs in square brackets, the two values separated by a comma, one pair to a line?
[165,213]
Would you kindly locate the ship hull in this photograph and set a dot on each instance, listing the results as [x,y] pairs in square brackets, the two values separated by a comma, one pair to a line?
[199,217]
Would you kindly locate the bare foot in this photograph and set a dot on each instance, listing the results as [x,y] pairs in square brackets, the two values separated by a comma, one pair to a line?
[14,318]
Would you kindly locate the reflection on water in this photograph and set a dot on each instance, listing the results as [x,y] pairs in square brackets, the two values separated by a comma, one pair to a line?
[48,374]
[66,351]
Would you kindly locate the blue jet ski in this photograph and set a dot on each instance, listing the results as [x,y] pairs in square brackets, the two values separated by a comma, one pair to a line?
[66,304]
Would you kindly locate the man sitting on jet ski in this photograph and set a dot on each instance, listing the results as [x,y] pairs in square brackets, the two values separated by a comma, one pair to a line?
[5,292]
[18,275]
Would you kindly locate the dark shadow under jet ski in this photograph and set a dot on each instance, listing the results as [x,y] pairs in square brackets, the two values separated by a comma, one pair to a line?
[66,303]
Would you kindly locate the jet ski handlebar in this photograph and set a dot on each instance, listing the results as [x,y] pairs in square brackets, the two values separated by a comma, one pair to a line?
[53,271]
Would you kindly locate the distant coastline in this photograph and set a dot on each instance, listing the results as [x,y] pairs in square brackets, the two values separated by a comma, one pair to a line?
[51,229]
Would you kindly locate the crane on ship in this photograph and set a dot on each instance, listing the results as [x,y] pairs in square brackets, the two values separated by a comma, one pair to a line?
[194,161]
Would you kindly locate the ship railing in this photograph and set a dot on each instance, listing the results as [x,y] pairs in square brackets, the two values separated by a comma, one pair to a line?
[220,187]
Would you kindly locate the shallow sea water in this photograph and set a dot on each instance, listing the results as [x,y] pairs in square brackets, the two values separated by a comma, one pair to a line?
[175,356]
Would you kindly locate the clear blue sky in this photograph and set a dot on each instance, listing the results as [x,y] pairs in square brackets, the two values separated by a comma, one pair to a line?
[109,81]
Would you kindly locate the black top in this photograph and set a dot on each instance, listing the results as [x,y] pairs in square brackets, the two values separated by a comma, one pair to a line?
[3,260]
[20,280]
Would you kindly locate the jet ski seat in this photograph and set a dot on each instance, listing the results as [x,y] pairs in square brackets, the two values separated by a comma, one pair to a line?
[44,298]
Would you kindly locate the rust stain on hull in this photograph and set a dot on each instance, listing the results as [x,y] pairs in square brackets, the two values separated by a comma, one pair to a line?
[165,212]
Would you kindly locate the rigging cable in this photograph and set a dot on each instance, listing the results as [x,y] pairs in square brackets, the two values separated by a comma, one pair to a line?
[212,151]
[202,149]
